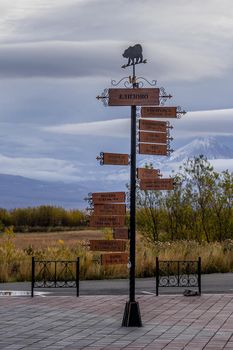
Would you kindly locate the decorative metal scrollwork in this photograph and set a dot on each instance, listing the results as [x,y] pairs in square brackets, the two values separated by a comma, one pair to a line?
[180,112]
[127,82]
[141,81]
[163,96]
[169,151]
[91,207]
[55,274]
[89,198]
[104,97]
[100,158]
[138,112]
[178,273]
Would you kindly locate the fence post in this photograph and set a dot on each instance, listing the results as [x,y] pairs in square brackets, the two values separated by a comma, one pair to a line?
[55,273]
[199,275]
[77,276]
[157,275]
[178,273]
[33,276]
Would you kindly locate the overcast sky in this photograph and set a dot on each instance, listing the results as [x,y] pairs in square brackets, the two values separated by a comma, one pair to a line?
[57,56]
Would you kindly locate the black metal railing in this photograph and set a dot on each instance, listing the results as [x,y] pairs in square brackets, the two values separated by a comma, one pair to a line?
[178,274]
[55,274]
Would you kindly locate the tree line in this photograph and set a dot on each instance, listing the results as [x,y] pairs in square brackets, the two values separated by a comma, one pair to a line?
[45,216]
[199,208]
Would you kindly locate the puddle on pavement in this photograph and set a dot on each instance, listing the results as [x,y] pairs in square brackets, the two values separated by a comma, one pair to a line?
[18,293]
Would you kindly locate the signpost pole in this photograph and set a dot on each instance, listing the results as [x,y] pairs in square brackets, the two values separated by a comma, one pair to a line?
[132,317]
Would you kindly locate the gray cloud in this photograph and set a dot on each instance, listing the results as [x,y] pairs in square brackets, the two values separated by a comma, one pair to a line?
[56,56]
[56,59]
[40,168]
[194,124]
[111,128]
[72,59]
[205,123]
[86,38]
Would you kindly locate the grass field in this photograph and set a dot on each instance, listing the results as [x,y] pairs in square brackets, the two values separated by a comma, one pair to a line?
[17,249]
[43,240]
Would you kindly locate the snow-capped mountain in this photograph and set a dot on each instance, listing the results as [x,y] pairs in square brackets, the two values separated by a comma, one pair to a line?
[18,191]
[206,146]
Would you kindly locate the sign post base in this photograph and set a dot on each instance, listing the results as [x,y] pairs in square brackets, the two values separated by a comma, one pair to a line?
[132,316]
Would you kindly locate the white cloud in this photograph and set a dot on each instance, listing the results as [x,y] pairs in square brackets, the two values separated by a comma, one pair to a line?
[204,123]
[111,128]
[222,164]
[193,124]
[40,168]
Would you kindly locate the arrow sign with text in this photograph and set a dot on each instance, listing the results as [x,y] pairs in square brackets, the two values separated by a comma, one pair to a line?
[115,159]
[107,221]
[157,184]
[114,259]
[133,97]
[159,112]
[144,173]
[153,137]
[109,209]
[150,148]
[108,197]
[151,125]
[107,245]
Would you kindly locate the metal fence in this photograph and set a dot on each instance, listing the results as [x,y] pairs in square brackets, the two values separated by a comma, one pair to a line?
[55,274]
[178,274]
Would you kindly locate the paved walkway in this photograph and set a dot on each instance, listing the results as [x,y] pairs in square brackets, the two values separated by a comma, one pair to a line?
[94,323]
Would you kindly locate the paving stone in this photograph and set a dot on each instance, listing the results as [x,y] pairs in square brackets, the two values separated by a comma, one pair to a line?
[169,323]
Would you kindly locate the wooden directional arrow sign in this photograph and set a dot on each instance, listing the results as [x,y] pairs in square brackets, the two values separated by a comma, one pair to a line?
[144,173]
[157,184]
[107,245]
[108,197]
[115,159]
[159,112]
[150,148]
[107,221]
[121,233]
[114,259]
[151,125]
[153,137]
[133,97]
[109,209]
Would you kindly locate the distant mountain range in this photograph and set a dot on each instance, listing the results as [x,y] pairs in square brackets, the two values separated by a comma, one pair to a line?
[206,146]
[18,191]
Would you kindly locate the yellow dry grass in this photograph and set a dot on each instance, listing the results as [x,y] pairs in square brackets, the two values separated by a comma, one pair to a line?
[16,251]
[43,240]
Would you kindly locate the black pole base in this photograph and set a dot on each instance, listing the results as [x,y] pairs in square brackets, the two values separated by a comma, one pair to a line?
[132,317]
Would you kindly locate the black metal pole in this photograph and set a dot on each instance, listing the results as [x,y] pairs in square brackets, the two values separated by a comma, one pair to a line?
[132,204]
[132,317]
